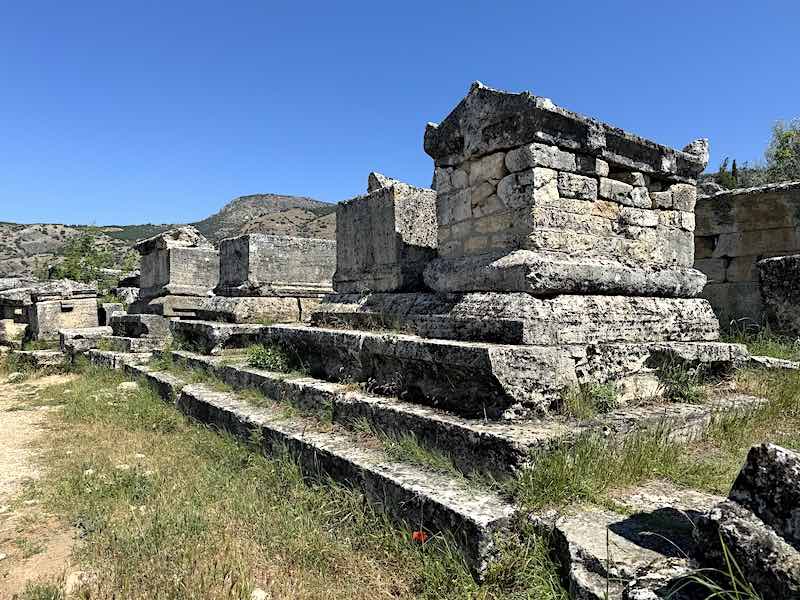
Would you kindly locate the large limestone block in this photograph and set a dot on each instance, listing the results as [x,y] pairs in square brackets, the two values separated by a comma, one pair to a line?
[385,239]
[769,486]
[139,325]
[48,316]
[780,290]
[768,562]
[275,265]
[255,309]
[488,120]
[519,318]
[73,341]
[177,262]
[763,208]
[547,273]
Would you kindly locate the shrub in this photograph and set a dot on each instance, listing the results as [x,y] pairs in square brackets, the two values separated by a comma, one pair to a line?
[270,357]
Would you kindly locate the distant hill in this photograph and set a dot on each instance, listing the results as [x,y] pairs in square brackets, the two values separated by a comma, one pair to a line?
[30,249]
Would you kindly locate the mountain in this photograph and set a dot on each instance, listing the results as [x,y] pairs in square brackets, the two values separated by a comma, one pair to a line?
[30,249]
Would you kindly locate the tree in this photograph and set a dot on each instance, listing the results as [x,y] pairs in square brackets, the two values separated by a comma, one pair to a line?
[84,260]
[724,177]
[783,152]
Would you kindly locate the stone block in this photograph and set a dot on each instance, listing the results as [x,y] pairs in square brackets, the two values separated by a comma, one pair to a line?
[780,290]
[185,307]
[713,268]
[487,121]
[211,337]
[139,325]
[540,272]
[12,333]
[385,239]
[74,341]
[769,486]
[106,309]
[274,265]
[764,242]
[771,565]
[48,316]
[518,318]
[261,309]
[577,186]
[177,262]
[543,155]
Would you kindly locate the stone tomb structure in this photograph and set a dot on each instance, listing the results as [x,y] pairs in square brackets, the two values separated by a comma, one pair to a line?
[271,278]
[178,268]
[565,251]
[38,310]
[385,239]
[735,230]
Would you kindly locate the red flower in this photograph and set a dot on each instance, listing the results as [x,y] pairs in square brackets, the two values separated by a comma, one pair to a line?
[419,536]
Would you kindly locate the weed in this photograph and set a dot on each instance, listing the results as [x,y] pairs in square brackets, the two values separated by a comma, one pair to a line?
[270,357]
[28,547]
[729,583]
[762,340]
[42,591]
[588,400]
[680,382]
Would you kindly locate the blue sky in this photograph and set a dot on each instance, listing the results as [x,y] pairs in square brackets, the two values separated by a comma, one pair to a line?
[117,112]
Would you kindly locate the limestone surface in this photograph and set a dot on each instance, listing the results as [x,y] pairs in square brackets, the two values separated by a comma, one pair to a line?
[274,265]
[385,238]
[780,291]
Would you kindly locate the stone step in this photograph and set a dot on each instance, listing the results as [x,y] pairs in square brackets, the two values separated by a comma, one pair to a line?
[139,325]
[421,498]
[479,379]
[211,337]
[77,340]
[500,448]
[116,343]
[601,552]
[117,360]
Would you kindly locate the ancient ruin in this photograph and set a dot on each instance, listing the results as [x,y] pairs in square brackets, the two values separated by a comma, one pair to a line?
[178,267]
[270,278]
[37,310]
[385,239]
[555,256]
[736,229]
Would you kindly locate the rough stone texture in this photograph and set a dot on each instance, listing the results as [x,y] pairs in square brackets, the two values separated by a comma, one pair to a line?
[601,551]
[177,262]
[769,486]
[385,239]
[116,343]
[780,291]
[476,379]
[12,333]
[117,360]
[43,359]
[274,265]
[769,563]
[106,309]
[211,337]
[128,295]
[734,230]
[533,198]
[125,325]
[517,318]
[184,307]
[551,273]
[266,309]
[74,341]
[48,316]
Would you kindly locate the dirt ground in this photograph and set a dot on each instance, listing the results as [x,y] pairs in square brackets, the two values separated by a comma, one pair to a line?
[33,545]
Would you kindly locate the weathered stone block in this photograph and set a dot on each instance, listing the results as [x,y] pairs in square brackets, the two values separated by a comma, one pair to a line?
[385,239]
[73,341]
[48,316]
[780,290]
[138,325]
[274,265]
[770,564]
[106,309]
[177,262]
[261,309]
[735,300]
[769,486]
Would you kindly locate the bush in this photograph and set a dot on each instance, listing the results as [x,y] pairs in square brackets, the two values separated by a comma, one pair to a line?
[270,357]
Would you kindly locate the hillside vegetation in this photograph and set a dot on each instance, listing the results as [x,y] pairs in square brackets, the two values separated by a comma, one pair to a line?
[28,250]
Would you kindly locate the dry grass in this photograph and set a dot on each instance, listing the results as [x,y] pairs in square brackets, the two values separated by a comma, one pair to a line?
[170,509]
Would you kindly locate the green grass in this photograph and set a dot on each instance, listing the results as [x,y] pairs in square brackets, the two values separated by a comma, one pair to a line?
[42,591]
[588,400]
[763,341]
[270,357]
[681,383]
[171,509]
[28,547]
[594,465]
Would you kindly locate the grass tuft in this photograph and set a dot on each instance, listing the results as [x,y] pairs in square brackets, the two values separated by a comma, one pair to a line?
[588,400]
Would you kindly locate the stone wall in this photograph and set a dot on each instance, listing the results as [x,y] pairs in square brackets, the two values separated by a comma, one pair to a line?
[734,230]
[584,206]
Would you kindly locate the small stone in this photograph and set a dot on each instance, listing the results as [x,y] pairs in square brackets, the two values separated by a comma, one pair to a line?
[128,386]
[139,455]
[3,556]
[15,377]
[259,594]
[3,509]
[88,472]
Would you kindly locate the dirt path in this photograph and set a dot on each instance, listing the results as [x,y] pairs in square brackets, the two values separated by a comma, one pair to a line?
[33,545]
